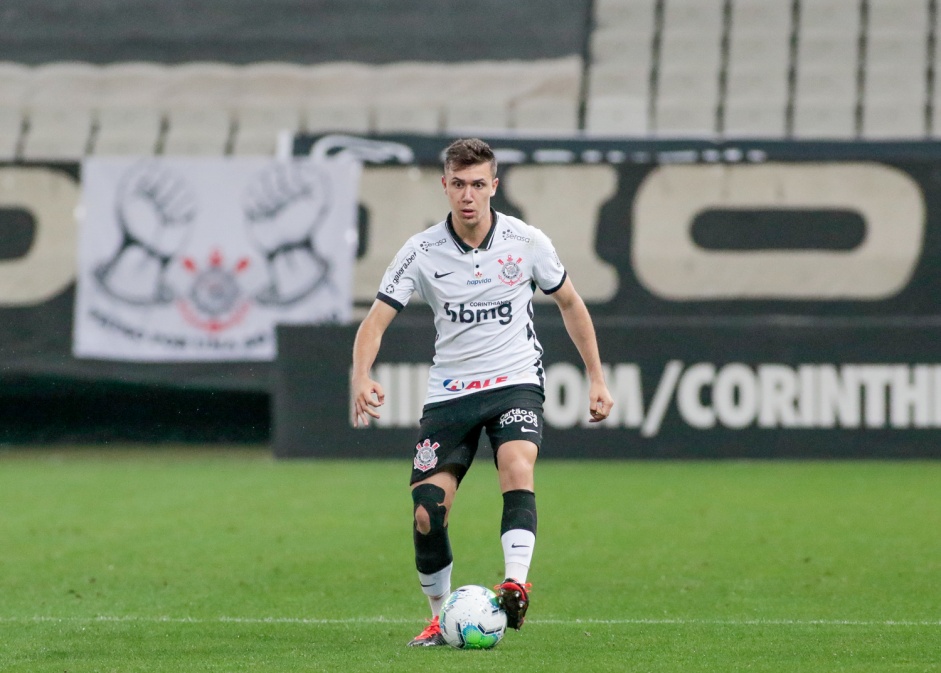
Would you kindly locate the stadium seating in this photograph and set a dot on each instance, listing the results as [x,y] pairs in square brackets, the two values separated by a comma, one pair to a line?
[128,120]
[664,68]
[689,68]
[896,42]
[60,102]
[756,94]
[621,48]
[825,96]
[270,100]
[199,101]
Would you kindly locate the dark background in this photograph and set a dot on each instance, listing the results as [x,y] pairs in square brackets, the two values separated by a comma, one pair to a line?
[297,31]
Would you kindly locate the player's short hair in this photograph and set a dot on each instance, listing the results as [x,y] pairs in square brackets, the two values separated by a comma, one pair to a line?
[466,152]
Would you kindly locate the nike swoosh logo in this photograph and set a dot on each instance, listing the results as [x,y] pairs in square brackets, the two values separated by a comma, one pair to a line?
[426,585]
[513,546]
[528,430]
[442,275]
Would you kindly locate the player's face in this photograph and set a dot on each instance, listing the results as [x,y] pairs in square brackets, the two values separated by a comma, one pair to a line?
[469,191]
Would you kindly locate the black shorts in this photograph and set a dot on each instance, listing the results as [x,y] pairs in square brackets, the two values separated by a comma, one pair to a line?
[449,432]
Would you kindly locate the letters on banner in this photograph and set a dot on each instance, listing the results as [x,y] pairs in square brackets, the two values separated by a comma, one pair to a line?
[197,259]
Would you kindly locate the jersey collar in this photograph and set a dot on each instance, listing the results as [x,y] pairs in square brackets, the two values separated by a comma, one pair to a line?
[484,245]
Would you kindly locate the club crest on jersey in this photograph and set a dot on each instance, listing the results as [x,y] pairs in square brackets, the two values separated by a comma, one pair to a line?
[425,456]
[510,273]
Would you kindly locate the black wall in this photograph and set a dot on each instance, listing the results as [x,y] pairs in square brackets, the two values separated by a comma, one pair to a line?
[298,31]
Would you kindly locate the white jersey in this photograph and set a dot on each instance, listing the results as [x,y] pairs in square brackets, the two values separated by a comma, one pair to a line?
[482,301]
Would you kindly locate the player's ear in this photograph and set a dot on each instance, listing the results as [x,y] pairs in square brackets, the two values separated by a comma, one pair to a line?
[493,186]
[444,182]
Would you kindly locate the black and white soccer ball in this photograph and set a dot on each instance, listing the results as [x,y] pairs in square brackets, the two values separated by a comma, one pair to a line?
[471,619]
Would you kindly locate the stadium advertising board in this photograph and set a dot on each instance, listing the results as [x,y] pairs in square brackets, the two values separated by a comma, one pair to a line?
[718,390]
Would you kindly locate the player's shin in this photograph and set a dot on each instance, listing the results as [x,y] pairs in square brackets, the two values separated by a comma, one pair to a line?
[433,557]
[518,533]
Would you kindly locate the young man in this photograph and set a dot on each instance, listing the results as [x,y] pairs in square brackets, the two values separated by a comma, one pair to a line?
[478,270]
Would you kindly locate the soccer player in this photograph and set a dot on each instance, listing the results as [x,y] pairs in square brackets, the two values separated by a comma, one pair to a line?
[477,270]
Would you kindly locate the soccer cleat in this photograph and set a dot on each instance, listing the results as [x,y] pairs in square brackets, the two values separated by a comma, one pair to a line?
[430,637]
[513,597]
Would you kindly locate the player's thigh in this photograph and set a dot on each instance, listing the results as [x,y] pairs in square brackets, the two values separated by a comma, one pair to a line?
[516,434]
[448,436]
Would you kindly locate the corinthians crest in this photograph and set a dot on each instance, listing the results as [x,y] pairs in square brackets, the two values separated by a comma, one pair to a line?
[510,273]
[425,456]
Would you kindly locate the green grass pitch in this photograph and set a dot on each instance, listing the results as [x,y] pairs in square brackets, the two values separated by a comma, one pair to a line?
[184,560]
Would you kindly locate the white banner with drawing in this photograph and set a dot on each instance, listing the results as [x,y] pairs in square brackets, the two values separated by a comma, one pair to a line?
[197,259]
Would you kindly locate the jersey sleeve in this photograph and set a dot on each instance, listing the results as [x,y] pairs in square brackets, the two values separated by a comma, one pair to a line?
[400,278]
[548,271]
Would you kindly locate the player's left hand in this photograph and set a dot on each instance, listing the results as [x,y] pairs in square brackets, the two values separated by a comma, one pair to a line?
[600,401]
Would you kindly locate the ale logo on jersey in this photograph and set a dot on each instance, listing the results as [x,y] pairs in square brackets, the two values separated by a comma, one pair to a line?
[457,385]
[425,455]
[510,272]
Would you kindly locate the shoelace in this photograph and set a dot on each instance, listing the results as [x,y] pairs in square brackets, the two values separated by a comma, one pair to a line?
[527,586]
[431,629]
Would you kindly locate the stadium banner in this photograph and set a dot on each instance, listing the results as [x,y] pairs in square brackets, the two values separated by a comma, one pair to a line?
[194,259]
[767,388]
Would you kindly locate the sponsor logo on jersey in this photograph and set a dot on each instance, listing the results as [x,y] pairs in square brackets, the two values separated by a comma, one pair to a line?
[480,311]
[510,272]
[425,455]
[407,262]
[517,415]
[427,245]
[457,385]
[479,279]
[512,236]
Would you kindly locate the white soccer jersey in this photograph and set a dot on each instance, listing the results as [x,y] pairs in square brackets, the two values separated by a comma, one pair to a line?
[482,301]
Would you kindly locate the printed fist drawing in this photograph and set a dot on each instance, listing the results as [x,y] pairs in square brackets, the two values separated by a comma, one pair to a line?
[284,206]
[155,210]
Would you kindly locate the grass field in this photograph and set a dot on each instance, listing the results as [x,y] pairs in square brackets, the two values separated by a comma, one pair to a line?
[226,560]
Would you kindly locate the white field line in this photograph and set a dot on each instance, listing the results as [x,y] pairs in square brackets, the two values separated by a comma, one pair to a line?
[388,620]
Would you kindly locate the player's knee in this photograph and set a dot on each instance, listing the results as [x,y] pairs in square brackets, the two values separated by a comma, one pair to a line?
[429,509]
[422,520]
[516,469]
[519,467]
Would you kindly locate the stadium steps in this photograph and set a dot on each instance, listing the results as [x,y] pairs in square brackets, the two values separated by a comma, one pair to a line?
[806,69]
[897,41]
[66,110]
[759,64]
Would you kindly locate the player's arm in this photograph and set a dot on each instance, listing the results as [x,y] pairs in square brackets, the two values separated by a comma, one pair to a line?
[582,333]
[366,393]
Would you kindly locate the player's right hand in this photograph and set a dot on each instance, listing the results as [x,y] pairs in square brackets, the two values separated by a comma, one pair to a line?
[367,395]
